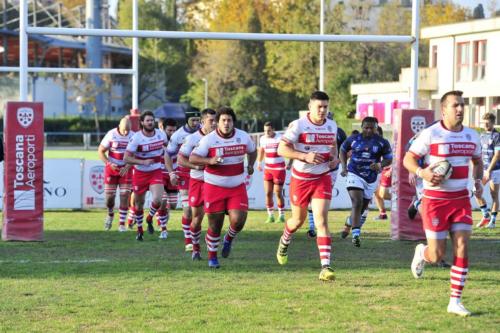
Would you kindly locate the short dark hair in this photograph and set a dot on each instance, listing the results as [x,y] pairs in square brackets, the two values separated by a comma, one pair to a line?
[268,123]
[207,111]
[489,116]
[371,120]
[320,96]
[168,122]
[457,93]
[146,113]
[225,110]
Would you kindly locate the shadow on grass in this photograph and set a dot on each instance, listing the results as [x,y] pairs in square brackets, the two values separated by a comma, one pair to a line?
[74,252]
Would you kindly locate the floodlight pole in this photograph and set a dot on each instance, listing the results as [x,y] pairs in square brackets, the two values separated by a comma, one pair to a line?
[135,56]
[23,51]
[415,32]
[322,48]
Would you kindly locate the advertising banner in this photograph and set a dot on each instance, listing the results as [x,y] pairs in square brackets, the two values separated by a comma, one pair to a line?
[407,123]
[23,175]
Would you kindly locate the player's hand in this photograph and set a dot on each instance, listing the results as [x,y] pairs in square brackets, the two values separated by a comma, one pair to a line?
[412,179]
[333,163]
[215,160]
[148,161]
[124,170]
[478,188]
[486,176]
[250,169]
[259,167]
[113,166]
[376,167]
[173,178]
[314,158]
[430,176]
[343,173]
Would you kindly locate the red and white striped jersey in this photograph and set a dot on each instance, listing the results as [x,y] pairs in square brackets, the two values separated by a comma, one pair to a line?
[149,147]
[116,144]
[436,143]
[186,149]
[271,158]
[230,173]
[175,143]
[305,136]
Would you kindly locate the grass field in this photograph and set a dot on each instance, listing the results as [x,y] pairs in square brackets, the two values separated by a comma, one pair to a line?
[84,279]
[86,154]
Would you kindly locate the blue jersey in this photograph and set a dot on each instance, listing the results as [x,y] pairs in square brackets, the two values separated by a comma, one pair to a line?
[490,143]
[366,151]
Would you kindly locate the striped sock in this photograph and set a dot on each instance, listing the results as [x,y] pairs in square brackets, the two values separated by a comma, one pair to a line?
[493,217]
[186,224]
[230,234]
[325,248]
[212,239]
[270,210]
[286,238]
[417,204]
[485,211]
[123,215]
[131,215]
[163,219]
[152,211]
[458,276]
[356,232]
[362,218]
[111,212]
[195,237]
[281,210]
[139,216]
[311,219]
[172,199]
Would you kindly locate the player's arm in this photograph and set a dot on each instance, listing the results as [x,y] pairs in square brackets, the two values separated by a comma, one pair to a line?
[184,162]
[251,157]
[494,160]
[343,156]
[101,151]
[477,174]
[334,161]
[286,150]
[410,162]
[260,157]
[201,160]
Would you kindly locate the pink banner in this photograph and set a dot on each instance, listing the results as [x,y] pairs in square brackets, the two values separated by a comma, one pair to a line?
[406,124]
[23,174]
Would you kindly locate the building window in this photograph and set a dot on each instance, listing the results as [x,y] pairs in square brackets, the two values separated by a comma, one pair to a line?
[479,60]
[463,61]
[434,56]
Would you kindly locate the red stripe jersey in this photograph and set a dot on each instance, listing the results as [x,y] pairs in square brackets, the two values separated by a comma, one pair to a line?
[175,144]
[305,136]
[271,158]
[116,144]
[149,147]
[230,173]
[186,149]
[436,143]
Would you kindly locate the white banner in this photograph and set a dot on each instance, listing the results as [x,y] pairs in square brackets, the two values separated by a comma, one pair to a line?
[62,185]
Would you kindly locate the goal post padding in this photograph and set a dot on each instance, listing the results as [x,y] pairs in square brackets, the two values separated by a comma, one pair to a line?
[407,122]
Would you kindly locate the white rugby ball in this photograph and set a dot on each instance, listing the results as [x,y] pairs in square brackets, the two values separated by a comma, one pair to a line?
[443,168]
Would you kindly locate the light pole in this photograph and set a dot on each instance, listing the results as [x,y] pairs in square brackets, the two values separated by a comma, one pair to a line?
[322,48]
[205,81]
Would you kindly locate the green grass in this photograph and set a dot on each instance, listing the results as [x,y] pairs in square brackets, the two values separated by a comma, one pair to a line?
[84,279]
[85,154]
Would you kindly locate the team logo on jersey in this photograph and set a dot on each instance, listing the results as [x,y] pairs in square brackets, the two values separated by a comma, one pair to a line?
[435,221]
[468,137]
[375,149]
[25,116]
[329,128]
[96,178]
[238,140]
[417,124]
[219,151]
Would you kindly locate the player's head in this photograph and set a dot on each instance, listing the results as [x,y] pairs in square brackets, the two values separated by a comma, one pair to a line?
[208,120]
[169,125]
[452,108]
[369,126]
[268,129]
[225,119]
[124,125]
[147,119]
[489,121]
[318,105]
[193,119]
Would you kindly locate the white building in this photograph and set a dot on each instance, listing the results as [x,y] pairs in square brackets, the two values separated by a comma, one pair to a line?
[462,56]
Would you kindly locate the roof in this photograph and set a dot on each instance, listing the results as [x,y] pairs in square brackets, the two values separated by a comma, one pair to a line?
[463,28]
[172,110]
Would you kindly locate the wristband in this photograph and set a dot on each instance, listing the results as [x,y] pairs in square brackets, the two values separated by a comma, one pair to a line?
[418,172]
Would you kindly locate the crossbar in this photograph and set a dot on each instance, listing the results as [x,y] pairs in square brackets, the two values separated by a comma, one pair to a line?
[220,35]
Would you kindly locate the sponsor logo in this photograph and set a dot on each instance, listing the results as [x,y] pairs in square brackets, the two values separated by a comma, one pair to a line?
[417,124]
[435,221]
[25,116]
[465,149]
[96,178]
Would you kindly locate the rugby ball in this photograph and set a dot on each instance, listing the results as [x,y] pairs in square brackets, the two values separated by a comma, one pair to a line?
[443,168]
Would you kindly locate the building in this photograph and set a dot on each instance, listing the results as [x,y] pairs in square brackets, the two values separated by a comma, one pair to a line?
[462,56]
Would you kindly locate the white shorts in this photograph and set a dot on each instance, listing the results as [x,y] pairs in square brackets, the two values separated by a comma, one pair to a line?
[334,174]
[358,182]
[495,177]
